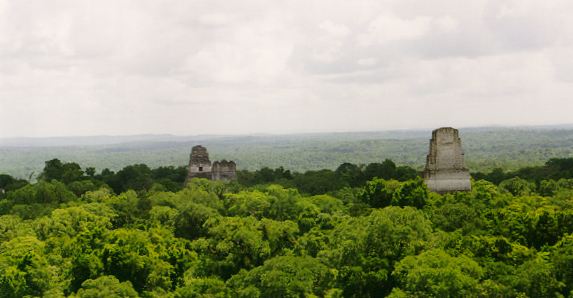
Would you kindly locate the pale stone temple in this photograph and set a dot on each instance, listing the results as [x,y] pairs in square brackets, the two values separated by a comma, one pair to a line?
[445,169]
[201,167]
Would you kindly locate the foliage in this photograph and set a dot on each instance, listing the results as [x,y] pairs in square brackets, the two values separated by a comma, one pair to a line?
[285,276]
[358,231]
[434,273]
[106,286]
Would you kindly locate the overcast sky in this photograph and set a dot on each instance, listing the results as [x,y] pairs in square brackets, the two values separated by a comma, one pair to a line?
[72,67]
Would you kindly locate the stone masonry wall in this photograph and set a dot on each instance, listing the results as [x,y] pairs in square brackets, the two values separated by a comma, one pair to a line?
[445,169]
[201,167]
[224,170]
[199,163]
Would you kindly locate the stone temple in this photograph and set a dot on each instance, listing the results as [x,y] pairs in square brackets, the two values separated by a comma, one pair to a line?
[201,167]
[445,167]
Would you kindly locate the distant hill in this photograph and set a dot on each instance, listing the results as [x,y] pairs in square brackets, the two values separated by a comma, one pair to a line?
[485,148]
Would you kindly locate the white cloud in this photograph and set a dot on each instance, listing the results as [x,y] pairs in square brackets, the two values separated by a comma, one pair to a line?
[446,24]
[386,29]
[338,30]
[133,66]
[367,61]
[214,19]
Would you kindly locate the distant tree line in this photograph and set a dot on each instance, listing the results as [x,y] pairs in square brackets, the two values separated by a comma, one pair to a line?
[141,178]
[541,179]
[324,181]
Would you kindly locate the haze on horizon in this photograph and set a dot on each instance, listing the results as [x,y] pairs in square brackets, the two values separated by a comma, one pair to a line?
[125,67]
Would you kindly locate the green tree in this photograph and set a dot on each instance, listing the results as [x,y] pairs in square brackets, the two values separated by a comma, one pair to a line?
[350,174]
[65,172]
[38,199]
[82,186]
[106,287]
[135,177]
[562,259]
[90,172]
[385,170]
[365,249]
[203,287]
[517,186]
[378,193]
[317,182]
[25,270]
[233,243]
[536,278]
[9,183]
[150,260]
[190,222]
[285,276]
[248,203]
[42,193]
[12,226]
[437,274]
[411,193]
[53,170]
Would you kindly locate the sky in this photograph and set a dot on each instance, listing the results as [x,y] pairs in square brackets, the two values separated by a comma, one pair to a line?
[188,67]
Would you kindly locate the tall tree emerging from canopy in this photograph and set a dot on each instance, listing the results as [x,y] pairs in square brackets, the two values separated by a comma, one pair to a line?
[64,172]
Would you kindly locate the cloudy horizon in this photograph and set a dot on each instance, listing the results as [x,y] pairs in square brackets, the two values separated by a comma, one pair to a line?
[126,67]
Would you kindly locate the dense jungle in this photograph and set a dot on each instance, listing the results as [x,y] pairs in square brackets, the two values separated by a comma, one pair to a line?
[357,231]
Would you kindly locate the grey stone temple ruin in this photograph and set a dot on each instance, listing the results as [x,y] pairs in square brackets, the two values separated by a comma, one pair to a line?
[445,169]
[201,167]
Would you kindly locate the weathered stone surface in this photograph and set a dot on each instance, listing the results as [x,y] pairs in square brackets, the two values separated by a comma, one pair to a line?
[199,163]
[224,170]
[445,167]
[201,167]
